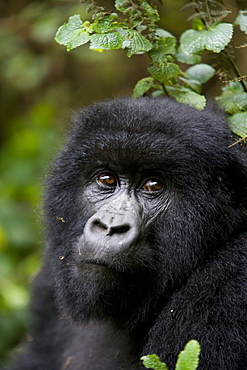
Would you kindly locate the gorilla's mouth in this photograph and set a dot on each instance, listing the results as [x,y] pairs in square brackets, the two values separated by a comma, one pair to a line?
[93,262]
[97,264]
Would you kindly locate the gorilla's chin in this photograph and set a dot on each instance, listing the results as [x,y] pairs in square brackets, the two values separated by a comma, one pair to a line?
[99,292]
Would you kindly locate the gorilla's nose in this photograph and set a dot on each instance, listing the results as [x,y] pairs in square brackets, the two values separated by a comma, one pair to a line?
[111,230]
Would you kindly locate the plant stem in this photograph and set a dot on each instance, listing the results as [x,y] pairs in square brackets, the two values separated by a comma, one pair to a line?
[164,89]
[237,71]
[208,13]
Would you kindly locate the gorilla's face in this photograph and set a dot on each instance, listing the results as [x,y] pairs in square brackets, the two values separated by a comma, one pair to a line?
[134,205]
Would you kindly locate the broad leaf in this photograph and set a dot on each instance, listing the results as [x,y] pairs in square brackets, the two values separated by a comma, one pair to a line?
[200,72]
[107,41]
[233,86]
[166,45]
[193,84]
[188,359]
[137,43]
[214,39]
[233,102]
[163,33]
[164,72]
[104,24]
[143,86]
[72,34]
[238,122]
[161,50]
[241,20]
[184,57]
[186,96]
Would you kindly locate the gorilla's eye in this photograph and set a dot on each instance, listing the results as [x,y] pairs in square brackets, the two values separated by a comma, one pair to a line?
[107,179]
[153,185]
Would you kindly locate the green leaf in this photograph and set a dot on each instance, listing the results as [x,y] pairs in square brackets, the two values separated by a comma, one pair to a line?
[143,86]
[188,359]
[186,96]
[158,93]
[233,102]
[161,50]
[166,45]
[198,24]
[200,72]
[184,57]
[241,20]
[149,11]
[233,86]
[238,123]
[163,33]
[214,39]
[137,43]
[153,362]
[193,84]
[122,5]
[106,41]
[72,34]
[164,72]
[104,24]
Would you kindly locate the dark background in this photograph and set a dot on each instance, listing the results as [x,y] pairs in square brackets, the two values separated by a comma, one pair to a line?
[41,85]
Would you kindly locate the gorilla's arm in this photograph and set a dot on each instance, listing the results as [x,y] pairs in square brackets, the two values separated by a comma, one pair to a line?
[210,308]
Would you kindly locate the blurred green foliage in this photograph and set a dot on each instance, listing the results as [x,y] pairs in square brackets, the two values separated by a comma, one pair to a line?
[39,85]
[31,139]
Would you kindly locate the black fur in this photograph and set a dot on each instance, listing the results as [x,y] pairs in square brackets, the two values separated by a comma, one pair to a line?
[184,274]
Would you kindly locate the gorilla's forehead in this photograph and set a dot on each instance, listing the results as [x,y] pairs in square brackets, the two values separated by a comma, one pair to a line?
[149,115]
[148,132]
[126,145]
[159,119]
[129,152]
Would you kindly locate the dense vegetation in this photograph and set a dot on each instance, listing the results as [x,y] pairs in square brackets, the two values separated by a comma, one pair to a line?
[134,28]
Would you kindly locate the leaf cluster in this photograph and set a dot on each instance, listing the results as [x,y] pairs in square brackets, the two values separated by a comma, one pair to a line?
[134,28]
[188,359]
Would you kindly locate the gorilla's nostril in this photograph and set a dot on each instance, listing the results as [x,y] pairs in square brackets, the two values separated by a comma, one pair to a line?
[98,225]
[121,229]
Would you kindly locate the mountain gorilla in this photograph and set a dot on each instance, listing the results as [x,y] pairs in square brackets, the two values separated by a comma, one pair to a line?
[145,213]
